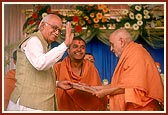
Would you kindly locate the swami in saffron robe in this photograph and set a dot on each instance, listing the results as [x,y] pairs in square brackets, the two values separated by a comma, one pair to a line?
[9,84]
[137,74]
[74,99]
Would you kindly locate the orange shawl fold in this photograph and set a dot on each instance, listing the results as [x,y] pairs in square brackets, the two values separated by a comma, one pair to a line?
[137,73]
[73,99]
[9,84]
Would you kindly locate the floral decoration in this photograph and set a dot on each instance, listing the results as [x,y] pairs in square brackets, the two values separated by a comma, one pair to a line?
[32,22]
[93,17]
[135,18]
[90,16]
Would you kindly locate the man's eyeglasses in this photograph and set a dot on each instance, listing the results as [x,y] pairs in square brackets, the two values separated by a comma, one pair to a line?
[55,28]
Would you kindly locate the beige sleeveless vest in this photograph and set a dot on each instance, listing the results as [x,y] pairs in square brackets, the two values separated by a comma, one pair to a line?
[36,89]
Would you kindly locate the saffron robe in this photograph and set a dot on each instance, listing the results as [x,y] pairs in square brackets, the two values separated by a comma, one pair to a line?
[9,84]
[137,73]
[74,99]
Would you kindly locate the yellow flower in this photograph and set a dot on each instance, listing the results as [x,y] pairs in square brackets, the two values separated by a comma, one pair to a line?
[104,19]
[92,15]
[96,25]
[82,22]
[86,18]
[100,6]
[96,20]
[105,10]
[99,15]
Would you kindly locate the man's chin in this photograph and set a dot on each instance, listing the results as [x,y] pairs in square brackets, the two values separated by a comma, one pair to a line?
[53,39]
[79,58]
[116,55]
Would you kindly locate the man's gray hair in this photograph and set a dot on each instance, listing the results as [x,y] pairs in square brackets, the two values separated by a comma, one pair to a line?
[43,20]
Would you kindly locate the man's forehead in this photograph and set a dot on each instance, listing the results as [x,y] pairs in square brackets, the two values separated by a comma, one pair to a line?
[90,56]
[56,22]
[111,40]
[78,42]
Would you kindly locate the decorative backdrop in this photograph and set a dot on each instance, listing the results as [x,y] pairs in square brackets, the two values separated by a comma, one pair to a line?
[91,20]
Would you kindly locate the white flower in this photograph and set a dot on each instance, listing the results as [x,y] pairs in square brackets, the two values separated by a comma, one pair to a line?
[125,12]
[138,8]
[138,16]
[140,22]
[146,17]
[135,27]
[44,14]
[118,19]
[146,12]
[131,15]
[127,25]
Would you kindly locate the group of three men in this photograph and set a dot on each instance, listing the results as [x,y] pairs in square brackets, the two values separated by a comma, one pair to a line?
[39,87]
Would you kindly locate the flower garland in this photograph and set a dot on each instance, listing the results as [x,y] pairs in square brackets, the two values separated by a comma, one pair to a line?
[135,18]
[93,17]
[90,16]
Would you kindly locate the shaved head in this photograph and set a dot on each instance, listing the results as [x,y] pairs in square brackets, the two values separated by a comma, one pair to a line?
[121,33]
[119,39]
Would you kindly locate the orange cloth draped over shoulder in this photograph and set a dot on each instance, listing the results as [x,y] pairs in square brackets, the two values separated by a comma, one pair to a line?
[74,99]
[137,73]
[9,84]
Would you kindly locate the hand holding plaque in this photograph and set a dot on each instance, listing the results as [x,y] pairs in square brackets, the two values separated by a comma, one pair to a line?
[83,87]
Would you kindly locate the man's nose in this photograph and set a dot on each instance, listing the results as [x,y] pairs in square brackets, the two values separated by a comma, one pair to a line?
[79,49]
[111,49]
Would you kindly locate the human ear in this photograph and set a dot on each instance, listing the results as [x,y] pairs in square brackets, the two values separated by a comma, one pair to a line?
[42,25]
[123,42]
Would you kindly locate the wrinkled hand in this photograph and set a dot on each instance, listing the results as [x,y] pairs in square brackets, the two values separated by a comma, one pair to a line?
[84,84]
[101,93]
[64,85]
[69,35]
[98,87]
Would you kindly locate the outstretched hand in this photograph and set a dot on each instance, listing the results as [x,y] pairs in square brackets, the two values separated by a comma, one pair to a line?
[69,35]
[64,85]
[109,91]
[100,93]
